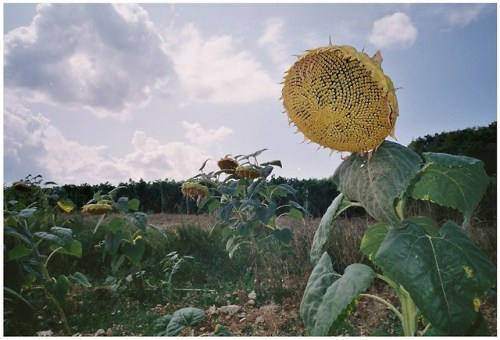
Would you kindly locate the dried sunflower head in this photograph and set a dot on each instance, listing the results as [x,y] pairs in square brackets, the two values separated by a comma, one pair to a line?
[97,208]
[247,171]
[23,186]
[193,189]
[340,98]
[227,164]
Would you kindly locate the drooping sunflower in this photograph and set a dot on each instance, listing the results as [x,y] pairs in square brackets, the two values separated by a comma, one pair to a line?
[340,98]
[227,164]
[193,189]
[247,171]
[97,208]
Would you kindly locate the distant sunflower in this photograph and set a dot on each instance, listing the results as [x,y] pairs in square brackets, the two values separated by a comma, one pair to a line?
[193,189]
[227,164]
[247,171]
[340,98]
[97,208]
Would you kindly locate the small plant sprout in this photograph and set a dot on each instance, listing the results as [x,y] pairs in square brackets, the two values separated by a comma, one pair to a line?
[341,99]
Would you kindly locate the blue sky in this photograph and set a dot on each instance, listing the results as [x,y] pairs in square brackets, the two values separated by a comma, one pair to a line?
[96,93]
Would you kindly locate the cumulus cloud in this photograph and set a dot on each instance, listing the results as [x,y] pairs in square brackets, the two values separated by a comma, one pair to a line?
[196,134]
[393,30]
[106,58]
[21,134]
[151,159]
[33,145]
[274,41]
[213,70]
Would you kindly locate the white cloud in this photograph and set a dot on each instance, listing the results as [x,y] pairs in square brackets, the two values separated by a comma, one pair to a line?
[196,134]
[212,70]
[34,146]
[393,30]
[106,58]
[152,160]
[463,14]
[274,41]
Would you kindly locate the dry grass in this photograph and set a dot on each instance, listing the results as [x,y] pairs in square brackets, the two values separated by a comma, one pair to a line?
[166,221]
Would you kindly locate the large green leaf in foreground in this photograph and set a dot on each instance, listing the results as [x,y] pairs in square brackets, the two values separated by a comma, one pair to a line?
[445,274]
[377,181]
[457,182]
[329,297]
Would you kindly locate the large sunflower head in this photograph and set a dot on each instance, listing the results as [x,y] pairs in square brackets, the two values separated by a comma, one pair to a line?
[340,98]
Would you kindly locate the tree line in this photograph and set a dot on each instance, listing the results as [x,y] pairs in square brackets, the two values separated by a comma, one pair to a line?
[315,195]
[165,196]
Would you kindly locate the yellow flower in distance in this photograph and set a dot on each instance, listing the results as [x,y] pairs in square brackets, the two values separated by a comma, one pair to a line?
[193,189]
[97,208]
[477,304]
[340,98]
